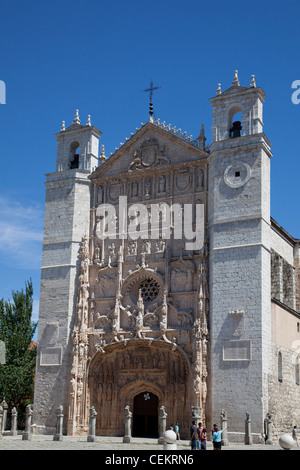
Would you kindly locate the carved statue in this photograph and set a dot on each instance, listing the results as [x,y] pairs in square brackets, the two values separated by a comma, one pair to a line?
[162,184]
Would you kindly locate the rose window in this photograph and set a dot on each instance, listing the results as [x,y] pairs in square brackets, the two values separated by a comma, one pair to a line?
[149,289]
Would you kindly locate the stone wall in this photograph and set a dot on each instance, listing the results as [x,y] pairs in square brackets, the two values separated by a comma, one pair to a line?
[284,402]
[297,275]
[284,394]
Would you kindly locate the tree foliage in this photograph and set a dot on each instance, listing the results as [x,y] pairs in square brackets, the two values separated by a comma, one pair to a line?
[17,331]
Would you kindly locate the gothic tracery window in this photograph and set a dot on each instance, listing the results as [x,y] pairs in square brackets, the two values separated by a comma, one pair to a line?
[149,289]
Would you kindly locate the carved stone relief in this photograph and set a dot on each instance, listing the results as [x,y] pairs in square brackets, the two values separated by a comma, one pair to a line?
[114,190]
[107,282]
[149,155]
[182,276]
[183,179]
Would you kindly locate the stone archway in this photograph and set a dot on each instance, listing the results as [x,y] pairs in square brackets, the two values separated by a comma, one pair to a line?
[124,372]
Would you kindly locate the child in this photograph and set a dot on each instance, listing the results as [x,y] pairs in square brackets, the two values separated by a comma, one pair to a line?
[203,439]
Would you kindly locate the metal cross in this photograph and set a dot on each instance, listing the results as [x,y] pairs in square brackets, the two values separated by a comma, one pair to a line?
[151,89]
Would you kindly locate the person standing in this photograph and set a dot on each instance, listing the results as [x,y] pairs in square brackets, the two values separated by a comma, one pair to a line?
[203,439]
[217,438]
[199,432]
[176,429]
[193,434]
[294,434]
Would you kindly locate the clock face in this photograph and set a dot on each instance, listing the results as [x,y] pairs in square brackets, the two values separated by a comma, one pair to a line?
[237,175]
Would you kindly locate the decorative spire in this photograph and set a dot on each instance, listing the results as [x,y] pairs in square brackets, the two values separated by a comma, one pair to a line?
[202,139]
[253,83]
[88,123]
[236,79]
[76,119]
[63,127]
[219,92]
[102,157]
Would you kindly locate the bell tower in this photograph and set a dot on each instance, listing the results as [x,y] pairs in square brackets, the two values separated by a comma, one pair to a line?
[77,146]
[67,215]
[239,255]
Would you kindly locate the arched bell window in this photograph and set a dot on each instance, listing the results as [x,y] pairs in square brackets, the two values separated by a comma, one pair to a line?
[235,122]
[74,155]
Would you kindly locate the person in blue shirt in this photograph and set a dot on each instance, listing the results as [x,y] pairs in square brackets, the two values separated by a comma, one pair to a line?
[176,429]
[217,438]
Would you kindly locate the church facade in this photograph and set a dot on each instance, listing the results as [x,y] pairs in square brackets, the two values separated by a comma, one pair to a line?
[134,312]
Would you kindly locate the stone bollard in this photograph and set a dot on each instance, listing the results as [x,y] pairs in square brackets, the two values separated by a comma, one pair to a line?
[286,442]
[162,424]
[27,436]
[248,435]
[268,429]
[4,420]
[14,421]
[92,425]
[58,436]
[224,422]
[1,419]
[128,416]
[170,440]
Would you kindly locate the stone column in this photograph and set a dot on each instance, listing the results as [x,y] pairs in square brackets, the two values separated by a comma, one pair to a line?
[58,436]
[1,419]
[27,436]
[128,416]
[92,425]
[248,436]
[224,422]
[162,424]
[14,422]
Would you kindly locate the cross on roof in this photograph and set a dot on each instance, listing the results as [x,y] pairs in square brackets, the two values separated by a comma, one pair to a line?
[151,89]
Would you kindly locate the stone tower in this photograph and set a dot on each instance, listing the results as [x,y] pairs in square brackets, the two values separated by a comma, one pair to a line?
[239,256]
[67,217]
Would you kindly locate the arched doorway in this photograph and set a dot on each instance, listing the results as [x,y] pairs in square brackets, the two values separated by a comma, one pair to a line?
[145,415]
[122,376]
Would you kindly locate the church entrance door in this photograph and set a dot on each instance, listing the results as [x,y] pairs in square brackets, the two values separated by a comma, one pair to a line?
[145,415]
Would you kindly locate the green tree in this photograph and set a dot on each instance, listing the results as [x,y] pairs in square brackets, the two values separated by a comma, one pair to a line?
[17,330]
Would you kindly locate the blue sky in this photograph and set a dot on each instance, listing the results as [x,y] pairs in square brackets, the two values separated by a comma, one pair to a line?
[98,56]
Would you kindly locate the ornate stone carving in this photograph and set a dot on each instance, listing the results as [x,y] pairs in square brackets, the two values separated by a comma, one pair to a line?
[114,190]
[107,282]
[182,275]
[148,156]
[183,179]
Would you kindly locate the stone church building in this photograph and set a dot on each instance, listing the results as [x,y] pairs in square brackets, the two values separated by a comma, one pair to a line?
[153,321]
